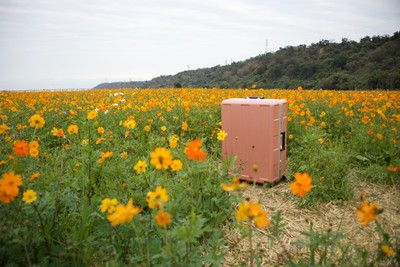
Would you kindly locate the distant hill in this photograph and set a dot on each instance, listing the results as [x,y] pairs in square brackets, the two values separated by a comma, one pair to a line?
[371,63]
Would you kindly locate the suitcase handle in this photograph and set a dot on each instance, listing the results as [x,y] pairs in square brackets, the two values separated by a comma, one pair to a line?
[283,141]
[255,97]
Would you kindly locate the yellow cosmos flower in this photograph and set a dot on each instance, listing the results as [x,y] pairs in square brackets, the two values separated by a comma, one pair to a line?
[221,135]
[100,130]
[234,185]
[176,165]
[387,250]
[73,129]
[123,214]
[157,198]
[36,121]
[84,142]
[173,141]
[34,144]
[92,115]
[130,123]
[140,167]
[99,140]
[3,128]
[29,196]
[302,185]
[124,155]
[108,205]
[161,158]
[33,152]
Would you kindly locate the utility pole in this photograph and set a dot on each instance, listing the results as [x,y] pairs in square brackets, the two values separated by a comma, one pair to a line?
[266,46]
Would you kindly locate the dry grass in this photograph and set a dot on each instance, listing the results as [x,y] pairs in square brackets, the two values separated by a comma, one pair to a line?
[324,217]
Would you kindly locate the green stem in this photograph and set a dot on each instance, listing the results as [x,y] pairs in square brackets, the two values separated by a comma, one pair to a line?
[148,248]
[34,133]
[251,244]
[42,226]
[27,254]
[138,239]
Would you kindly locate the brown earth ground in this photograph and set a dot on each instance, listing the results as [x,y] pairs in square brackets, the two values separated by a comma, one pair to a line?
[324,217]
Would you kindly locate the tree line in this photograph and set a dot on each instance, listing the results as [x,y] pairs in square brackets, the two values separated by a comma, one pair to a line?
[371,63]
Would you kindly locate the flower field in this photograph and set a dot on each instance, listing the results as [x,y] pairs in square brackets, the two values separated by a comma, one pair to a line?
[136,177]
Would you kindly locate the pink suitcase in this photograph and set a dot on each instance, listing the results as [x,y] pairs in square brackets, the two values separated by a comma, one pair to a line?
[256,136]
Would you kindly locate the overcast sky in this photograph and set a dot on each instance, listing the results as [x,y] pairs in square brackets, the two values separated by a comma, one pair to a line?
[81,43]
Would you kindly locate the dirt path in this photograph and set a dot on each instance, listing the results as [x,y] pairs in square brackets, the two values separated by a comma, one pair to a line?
[324,217]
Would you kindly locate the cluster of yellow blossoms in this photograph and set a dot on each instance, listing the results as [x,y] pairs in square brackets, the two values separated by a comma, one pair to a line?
[121,214]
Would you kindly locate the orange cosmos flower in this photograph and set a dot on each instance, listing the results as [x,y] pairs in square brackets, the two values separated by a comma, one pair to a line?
[58,132]
[34,176]
[367,212]
[163,218]
[104,156]
[302,185]
[9,186]
[251,210]
[393,168]
[21,148]
[193,151]
[184,126]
